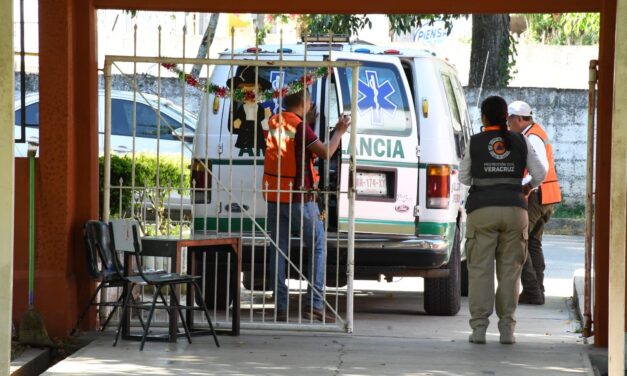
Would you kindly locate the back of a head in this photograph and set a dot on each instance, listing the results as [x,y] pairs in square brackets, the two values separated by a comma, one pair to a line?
[294,100]
[495,110]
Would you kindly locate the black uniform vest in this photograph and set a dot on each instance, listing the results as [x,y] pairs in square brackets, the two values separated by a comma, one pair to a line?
[497,172]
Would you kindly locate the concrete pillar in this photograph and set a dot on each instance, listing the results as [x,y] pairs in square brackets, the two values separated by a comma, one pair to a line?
[618,208]
[68,157]
[6,183]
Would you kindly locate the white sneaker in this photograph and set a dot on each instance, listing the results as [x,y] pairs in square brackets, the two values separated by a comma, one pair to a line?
[478,335]
[507,338]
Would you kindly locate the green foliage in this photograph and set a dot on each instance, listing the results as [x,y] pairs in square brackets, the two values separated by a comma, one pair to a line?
[569,211]
[170,174]
[507,61]
[351,24]
[564,28]
[403,23]
[321,24]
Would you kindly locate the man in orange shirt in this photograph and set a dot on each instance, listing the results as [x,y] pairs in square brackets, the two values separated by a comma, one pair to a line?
[541,201]
[289,183]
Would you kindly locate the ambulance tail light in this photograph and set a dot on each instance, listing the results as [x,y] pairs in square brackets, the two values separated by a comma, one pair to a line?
[201,180]
[438,186]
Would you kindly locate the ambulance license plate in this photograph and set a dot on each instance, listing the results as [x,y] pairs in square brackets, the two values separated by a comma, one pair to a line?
[371,184]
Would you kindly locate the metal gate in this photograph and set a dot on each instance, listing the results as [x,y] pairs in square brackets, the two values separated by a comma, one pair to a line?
[224,195]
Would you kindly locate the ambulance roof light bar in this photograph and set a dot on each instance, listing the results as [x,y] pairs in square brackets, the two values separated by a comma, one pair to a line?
[335,38]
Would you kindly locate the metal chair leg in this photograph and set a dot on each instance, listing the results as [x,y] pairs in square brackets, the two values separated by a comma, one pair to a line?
[82,316]
[115,308]
[127,295]
[180,311]
[204,308]
[150,314]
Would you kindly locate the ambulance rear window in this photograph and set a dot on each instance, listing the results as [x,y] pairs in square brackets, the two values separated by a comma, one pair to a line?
[277,78]
[382,99]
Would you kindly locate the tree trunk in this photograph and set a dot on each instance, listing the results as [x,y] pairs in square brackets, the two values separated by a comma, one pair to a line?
[207,39]
[261,33]
[490,34]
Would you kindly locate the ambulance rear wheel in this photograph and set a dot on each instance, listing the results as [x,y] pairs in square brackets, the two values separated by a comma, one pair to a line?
[442,296]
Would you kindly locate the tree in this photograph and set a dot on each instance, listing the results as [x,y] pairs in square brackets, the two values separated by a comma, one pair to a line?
[205,43]
[490,40]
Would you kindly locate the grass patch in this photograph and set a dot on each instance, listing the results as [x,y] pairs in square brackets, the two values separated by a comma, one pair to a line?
[570,211]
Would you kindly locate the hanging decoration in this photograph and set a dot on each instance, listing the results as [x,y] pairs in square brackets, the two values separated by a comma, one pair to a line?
[247,95]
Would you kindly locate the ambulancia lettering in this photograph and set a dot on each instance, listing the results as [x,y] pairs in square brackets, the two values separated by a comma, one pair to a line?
[378,147]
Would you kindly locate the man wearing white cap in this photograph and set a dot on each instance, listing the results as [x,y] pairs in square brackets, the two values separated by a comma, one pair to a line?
[541,200]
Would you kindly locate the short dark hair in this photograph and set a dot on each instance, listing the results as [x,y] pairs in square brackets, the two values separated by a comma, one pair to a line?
[495,109]
[294,99]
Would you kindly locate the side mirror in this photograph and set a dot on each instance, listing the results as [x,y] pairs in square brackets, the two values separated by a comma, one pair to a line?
[178,133]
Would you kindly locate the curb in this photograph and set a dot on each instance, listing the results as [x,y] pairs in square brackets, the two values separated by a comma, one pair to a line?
[31,362]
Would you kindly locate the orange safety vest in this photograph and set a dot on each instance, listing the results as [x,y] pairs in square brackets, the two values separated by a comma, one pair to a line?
[279,167]
[550,188]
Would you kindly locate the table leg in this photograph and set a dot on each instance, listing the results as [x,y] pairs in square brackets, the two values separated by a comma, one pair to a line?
[235,287]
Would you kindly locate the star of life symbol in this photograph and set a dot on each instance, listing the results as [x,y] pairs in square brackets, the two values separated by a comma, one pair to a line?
[374,97]
[277,78]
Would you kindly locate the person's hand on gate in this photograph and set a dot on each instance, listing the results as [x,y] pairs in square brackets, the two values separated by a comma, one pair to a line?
[343,123]
[312,114]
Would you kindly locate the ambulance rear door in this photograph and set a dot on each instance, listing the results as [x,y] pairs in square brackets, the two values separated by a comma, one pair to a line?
[386,147]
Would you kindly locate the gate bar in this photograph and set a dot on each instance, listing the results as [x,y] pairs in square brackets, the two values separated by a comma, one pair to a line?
[587,315]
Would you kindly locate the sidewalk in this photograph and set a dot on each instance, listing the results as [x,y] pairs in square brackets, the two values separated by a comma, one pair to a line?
[392,337]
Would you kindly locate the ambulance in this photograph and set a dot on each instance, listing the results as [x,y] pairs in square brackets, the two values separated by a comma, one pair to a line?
[412,128]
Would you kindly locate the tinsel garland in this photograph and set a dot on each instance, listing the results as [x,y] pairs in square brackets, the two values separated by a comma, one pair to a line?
[247,95]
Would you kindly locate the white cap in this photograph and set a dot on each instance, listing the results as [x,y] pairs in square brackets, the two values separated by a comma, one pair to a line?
[519,108]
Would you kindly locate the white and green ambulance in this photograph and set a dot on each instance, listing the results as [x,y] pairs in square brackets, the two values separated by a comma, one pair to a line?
[412,128]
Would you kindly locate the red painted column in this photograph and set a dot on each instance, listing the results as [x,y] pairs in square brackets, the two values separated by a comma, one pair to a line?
[68,158]
[603,160]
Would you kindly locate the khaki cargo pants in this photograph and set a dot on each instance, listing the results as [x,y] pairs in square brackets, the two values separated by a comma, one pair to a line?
[495,234]
[532,277]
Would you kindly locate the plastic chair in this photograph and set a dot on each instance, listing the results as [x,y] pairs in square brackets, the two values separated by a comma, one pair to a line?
[125,238]
[101,268]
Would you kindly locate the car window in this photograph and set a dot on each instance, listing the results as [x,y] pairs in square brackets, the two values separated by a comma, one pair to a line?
[456,115]
[466,123]
[146,121]
[32,116]
[452,103]
[334,109]
[382,99]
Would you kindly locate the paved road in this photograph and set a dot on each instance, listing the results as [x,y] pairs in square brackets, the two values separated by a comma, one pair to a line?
[563,255]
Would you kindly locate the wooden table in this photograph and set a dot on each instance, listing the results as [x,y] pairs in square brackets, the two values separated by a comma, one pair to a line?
[171,247]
